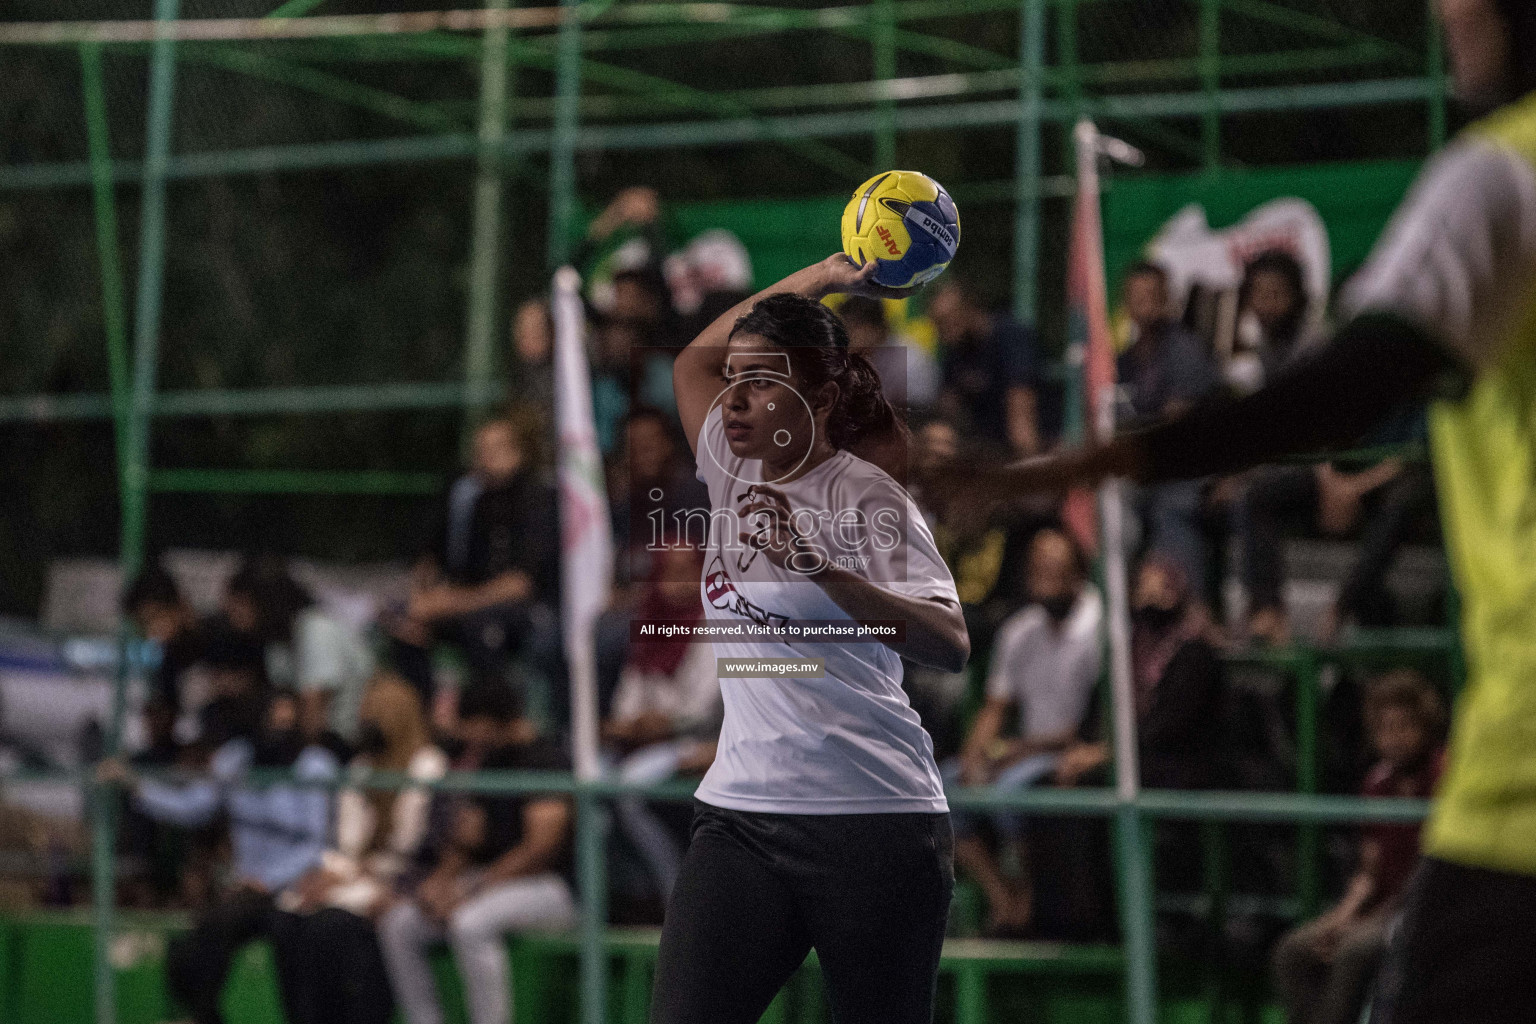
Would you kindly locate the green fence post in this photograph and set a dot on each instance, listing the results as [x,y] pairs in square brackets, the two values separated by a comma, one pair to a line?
[591,830]
[884,39]
[1137,921]
[1307,670]
[1026,172]
[485,243]
[562,148]
[1210,81]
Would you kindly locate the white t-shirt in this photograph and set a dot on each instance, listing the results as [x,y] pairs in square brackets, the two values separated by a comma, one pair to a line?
[1460,252]
[847,743]
[1049,673]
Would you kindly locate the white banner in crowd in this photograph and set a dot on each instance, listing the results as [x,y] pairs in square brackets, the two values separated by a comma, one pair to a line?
[586,538]
[1194,254]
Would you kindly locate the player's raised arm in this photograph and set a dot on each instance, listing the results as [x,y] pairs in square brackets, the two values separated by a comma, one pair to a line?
[697,374]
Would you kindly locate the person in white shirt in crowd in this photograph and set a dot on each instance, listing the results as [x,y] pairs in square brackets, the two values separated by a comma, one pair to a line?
[667,708]
[378,835]
[1045,665]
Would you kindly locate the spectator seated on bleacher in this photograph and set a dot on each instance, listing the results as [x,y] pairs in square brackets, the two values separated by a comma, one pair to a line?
[277,834]
[491,588]
[1382,505]
[1045,666]
[493,865]
[304,648]
[153,855]
[667,709]
[1165,370]
[990,369]
[1177,679]
[378,835]
[1324,968]
[167,619]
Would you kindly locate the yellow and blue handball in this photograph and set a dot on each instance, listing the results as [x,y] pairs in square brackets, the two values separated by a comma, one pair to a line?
[906,221]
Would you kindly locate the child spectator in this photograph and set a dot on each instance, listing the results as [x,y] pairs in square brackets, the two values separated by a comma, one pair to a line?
[667,709]
[1323,968]
[496,864]
[164,617]
[1045,665]
[908,374]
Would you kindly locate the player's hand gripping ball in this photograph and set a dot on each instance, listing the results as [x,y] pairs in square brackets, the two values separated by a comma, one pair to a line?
[906,221]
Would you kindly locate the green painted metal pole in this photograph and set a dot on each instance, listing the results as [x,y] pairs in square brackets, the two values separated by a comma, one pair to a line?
[101,800]
[884,39]
[485,240]
[1435,58]
[1132,834]
[1307,840]
[562,149]
[1026,171]
[1210,82]
[591,835]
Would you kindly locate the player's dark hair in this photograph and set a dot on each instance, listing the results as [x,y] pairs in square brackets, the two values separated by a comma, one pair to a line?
[1520,19]
[1146,268]
[819,340]
[152,586]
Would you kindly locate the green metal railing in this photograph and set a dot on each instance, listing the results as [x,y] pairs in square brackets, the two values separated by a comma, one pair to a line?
[590,797]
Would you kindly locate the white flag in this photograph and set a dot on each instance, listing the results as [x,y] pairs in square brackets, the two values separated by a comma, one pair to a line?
[586,539]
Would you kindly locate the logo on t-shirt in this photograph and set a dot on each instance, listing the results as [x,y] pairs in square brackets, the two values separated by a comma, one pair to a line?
[722,594]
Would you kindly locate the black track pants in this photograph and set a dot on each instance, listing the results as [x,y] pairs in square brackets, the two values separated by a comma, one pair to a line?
[870,892]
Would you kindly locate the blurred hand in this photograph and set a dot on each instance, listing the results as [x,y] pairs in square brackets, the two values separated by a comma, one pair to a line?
[975,770]
[437,895]
[637,204]
[1077,761]
[433,603]
[768,512]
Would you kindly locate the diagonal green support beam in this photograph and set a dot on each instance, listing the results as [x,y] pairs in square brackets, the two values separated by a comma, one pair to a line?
[295,8]
[1311,24]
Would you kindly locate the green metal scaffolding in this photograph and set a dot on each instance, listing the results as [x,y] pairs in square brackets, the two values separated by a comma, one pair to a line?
[1319,64]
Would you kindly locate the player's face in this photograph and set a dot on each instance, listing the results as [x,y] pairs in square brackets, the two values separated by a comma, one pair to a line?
[1478,42]
[765,411]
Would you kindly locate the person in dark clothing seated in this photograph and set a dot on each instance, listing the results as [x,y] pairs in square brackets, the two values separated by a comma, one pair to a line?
[277,834]
[1165,370]
[989,367]
[164,617]
[494,864]
[1177,679]
[492,587]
